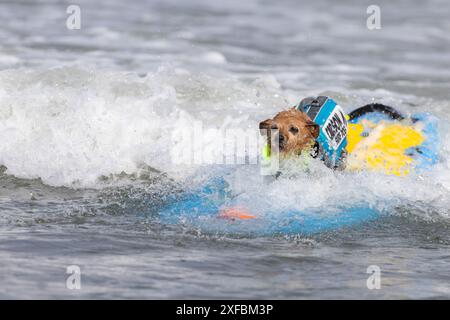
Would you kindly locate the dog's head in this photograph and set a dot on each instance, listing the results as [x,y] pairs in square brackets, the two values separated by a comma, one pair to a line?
[296,131]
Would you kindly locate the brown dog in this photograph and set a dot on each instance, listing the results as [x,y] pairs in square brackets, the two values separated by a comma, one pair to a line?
[296,131]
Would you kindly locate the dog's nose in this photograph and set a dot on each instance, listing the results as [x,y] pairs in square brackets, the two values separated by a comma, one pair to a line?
[282,139]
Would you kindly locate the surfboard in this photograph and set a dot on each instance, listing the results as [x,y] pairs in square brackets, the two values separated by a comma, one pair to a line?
[376,142]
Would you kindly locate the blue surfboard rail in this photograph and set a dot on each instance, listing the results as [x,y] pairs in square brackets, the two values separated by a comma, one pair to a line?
[200,209]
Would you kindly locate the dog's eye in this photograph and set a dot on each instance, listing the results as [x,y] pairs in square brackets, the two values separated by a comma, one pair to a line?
[293,130]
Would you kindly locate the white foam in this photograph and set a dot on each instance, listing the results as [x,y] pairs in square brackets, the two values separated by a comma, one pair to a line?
[214,57]
[70,126]
[8,60]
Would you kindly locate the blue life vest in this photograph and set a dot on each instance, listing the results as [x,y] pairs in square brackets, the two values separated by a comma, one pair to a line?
[332,121]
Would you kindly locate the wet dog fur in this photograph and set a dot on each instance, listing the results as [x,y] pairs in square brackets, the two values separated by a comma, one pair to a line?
[296,131]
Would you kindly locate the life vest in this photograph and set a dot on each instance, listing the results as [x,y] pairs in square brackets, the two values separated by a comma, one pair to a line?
[332,120]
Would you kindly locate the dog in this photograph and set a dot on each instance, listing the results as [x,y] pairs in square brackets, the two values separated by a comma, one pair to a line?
[297,133]
[324,137]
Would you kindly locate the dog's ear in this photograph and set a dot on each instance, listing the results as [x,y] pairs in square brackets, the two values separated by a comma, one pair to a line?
[313,128]
[266,124]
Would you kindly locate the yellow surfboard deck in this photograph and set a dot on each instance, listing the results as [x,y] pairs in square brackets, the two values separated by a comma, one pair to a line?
[382,146]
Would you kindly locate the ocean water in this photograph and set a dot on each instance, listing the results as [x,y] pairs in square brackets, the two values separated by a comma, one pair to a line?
[86,125]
